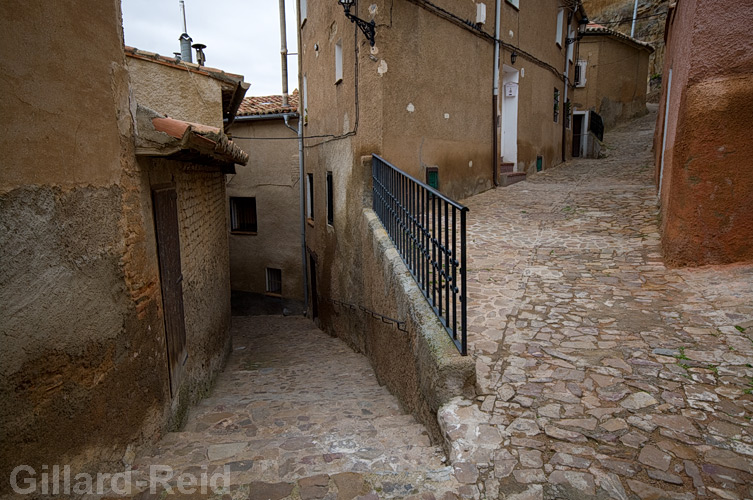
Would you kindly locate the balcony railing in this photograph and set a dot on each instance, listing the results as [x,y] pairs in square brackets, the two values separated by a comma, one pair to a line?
[428,230]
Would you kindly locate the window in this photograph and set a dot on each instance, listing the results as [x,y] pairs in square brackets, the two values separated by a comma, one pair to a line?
[568,110]
[305,101]
[243,215]
[432,177]
[556,105]
[580,73]
[330,201]
[514,3]
[570,46]
[304,11]
[560,25]
[338,61]
[274,281]
[310,196]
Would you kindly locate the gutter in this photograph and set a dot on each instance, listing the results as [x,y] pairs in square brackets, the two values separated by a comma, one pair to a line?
[495,95]
[271,116]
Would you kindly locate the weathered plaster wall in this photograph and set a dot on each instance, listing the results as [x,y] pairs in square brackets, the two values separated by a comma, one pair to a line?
[82,337]
[177,93]
[272,177]
[707,181]
[438,79]
[616,76]
[83,369]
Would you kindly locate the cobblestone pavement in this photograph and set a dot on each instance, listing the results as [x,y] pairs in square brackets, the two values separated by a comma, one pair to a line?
[602,373]
[298,414]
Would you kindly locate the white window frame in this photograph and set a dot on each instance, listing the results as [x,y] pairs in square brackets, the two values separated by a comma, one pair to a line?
[310,196]
[582,64]
[339,61]
[269,289]
[560,25]
[305,110]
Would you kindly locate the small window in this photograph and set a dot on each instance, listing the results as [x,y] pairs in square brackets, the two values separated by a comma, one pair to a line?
[338,61]
[432,177]
[568,111]
[560,25]
[310,196]
[556,105]
[304,11]
[514,3]
[330,201]
[274,281]
[570,46]
[243,215]
[580,73]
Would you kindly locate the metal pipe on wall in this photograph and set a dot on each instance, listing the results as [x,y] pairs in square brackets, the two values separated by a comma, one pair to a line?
[495,95]
[284,54]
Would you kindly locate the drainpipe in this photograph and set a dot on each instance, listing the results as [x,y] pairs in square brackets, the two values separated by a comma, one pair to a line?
[635,13]
[566,78]
[495,95]
[284,55]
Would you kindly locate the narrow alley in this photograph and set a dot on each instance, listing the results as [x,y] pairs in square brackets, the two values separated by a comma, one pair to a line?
[296,413]
[600,372]
[606,372]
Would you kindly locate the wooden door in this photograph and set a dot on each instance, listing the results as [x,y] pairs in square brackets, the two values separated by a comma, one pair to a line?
[577,134]
[171,281]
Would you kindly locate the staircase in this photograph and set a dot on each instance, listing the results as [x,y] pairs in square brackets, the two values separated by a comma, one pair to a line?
[506,175]
[295,409]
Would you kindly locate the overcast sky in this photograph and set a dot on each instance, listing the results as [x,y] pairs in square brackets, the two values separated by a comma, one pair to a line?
[242,36]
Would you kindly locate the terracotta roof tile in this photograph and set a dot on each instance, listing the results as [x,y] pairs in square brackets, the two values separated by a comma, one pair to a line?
[598,29]
[268,105]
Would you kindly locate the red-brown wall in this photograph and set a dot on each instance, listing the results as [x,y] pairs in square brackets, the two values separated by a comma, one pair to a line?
[706,183]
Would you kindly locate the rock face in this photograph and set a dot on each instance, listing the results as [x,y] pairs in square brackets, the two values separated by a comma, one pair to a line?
[649,27]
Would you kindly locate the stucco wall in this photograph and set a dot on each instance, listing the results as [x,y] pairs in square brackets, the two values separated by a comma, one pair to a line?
[616,79]
[81,331]
[180,94]
[707,179]
[83,369]
[272,177]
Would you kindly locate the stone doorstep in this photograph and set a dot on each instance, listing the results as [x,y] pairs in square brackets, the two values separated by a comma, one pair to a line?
[510,178]
[505,167]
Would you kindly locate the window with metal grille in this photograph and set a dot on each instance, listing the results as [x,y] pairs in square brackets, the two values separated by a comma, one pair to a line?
[274,281]
[243,215]
[330,201]
[556,105]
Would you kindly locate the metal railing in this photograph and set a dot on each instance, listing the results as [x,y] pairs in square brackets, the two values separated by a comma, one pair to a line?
[428,230]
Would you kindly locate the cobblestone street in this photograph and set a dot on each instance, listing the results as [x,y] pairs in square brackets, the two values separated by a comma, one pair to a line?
[600,372]
[604,373]
[298,414]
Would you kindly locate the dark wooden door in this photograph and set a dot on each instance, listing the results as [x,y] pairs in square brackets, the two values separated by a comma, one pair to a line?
[171,281]
[314,295]
[577,134]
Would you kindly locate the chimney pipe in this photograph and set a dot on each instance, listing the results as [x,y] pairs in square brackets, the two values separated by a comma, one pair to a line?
[284,55]
[185,40]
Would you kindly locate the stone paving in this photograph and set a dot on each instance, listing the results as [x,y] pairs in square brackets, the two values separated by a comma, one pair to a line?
[297,414]
[601,372]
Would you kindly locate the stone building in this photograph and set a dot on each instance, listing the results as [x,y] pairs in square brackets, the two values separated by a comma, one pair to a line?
[264,200]
[611,75]
[702,143]
[422,97]
[114,288]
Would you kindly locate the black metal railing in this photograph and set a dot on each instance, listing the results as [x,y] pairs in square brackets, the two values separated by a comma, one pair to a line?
[428,230]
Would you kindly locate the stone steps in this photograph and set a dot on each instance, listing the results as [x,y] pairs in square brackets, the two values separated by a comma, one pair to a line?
[295,406]
[510,178]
